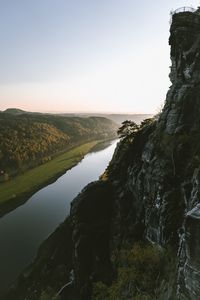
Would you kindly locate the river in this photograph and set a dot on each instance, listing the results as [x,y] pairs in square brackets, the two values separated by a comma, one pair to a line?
[26,227]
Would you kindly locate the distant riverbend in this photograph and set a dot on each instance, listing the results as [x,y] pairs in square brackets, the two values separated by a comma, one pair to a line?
[26,227]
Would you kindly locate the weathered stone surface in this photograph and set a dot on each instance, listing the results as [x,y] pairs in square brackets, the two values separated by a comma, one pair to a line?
[155,180]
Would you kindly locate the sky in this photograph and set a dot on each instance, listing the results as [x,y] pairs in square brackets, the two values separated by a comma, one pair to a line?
[85,55]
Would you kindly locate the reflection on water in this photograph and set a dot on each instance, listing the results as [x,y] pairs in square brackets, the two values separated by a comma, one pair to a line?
[23,230]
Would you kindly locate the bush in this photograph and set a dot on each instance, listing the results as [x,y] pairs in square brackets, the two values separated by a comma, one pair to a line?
[138,271]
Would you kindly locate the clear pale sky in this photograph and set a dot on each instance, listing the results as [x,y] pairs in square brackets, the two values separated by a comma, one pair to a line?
[85,55]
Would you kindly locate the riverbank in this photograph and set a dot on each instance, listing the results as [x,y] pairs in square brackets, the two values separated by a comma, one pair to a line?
[15,192]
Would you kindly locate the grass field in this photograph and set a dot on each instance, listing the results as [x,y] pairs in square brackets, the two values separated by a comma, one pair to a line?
[20,188]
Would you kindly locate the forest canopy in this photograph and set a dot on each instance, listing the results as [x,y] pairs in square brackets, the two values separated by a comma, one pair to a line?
[27,140]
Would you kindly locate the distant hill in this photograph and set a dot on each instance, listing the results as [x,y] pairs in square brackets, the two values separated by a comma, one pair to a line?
[118,118]
[137,118]
[14,111]
[27,140]
[17,111]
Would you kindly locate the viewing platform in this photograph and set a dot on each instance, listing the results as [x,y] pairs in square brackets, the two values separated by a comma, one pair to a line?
[185,9]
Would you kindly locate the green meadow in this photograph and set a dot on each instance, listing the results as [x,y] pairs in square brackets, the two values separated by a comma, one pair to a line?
[17,190]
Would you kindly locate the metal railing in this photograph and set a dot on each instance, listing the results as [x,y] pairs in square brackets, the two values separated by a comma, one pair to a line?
[183,9]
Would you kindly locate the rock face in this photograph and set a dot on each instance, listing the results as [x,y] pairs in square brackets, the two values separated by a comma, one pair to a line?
[153,190]
[90,217]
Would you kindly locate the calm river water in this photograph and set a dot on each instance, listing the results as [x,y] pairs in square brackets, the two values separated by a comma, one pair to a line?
[24,229]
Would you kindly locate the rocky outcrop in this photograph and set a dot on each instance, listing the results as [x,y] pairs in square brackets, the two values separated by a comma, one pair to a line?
[153,183]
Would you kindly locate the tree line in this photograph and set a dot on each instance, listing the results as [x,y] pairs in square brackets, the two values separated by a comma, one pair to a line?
[29,140]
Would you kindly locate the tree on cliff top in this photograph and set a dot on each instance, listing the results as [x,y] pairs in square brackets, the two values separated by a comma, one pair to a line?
[128,129]
[147,122]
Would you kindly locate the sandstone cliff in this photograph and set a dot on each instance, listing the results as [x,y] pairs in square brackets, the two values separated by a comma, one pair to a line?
[153,183]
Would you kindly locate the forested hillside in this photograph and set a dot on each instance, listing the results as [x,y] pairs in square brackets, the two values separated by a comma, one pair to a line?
[27,140]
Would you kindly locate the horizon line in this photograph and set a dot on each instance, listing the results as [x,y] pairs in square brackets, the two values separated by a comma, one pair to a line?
[79,112]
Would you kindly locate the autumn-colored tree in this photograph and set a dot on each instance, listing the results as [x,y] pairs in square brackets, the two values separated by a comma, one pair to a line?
[29,140]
